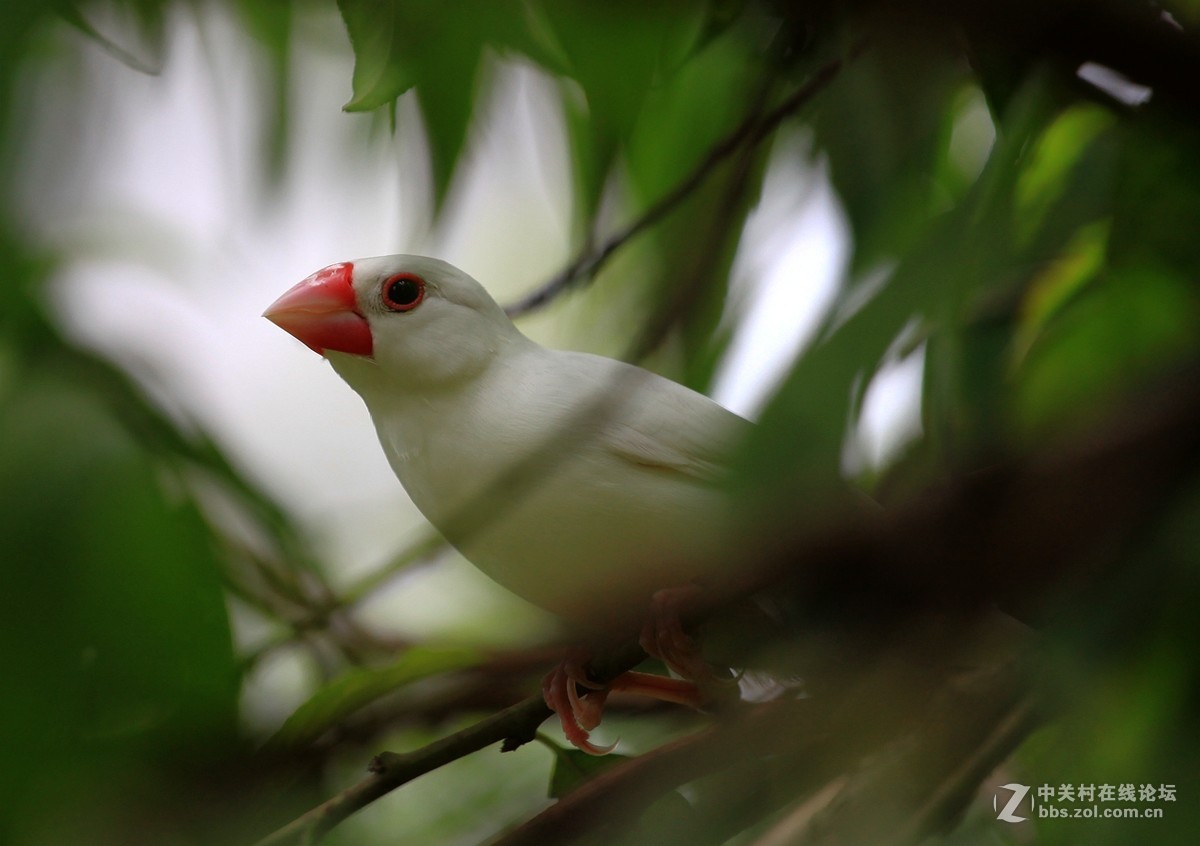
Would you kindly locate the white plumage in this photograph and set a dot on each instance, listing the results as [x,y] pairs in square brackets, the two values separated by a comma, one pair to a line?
[578,482]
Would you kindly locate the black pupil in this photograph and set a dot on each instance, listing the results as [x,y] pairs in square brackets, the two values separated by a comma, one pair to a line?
[403,292]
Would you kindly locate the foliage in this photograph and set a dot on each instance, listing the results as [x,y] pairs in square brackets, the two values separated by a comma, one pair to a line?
[1048,277]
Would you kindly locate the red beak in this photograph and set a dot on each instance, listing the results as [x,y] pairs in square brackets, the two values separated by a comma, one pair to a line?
[322,313]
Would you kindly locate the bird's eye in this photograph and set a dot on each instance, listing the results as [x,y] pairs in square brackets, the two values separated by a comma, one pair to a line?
[403,292]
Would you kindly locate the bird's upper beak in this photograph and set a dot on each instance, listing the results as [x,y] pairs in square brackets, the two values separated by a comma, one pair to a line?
[322,313]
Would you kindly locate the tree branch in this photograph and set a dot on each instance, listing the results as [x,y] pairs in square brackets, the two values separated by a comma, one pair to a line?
[514,726]
[749,133]
[390,770]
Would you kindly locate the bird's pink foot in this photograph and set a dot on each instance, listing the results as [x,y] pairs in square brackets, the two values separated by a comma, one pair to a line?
[662,688]
[664,638]
[577,713]
[580,713]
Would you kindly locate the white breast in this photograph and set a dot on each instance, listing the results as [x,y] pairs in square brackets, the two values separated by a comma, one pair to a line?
[576,482]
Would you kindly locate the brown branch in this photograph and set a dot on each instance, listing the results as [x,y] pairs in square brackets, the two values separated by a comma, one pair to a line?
[514,726]
[703,261]
[390,770]
[749,133]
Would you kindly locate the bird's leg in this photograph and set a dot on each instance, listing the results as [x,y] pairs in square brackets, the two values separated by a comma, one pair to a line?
[663,637]
[577,714]
[580,713]
[662,688]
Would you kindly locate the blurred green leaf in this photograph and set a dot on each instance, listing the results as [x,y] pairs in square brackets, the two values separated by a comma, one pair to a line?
[690,108]
[270,21]
[1125,328]
[381,73]
[664,819]
[882,129]
[573,767]
[112,617]
[795,454]
[402,44]
[593,153]
[1156,192]
[1060,280]
[972,255]
[1128,684]
[1045,179]
[145,57]
[360,686]
[617,53]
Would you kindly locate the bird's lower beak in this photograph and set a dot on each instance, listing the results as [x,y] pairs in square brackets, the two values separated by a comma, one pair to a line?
[322,313]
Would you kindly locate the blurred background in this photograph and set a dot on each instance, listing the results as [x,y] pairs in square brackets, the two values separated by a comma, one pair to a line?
[921,246]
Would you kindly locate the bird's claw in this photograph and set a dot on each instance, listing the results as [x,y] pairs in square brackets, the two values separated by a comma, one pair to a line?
[664,638]
[577,713]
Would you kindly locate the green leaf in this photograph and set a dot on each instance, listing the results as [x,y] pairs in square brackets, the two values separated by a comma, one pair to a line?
[686,112]
[1046,180]
[361,686]
[665,818]
[380,70]
[573,767]
[148,56]
[416,44]
[882,128]
[446,108]
[617,59]
[270,22]
[112,615]
[1157,190]
[187,449]
[613,56]
[1122,331]
[792,462]
[976,272]
[593,152]
[1059,281]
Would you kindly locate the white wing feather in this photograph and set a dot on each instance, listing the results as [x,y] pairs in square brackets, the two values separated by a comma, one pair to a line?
[660,424]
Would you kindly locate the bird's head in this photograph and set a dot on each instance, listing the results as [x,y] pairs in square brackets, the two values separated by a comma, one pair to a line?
[406,320]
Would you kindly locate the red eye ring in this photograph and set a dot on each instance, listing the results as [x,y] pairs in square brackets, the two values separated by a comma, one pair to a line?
[403,291]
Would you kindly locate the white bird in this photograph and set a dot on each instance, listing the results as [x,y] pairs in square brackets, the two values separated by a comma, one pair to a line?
[581,483]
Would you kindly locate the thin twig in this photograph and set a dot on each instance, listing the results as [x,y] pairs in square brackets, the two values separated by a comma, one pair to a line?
[514,726]
[750,132]
[319,616]
[699,262]
[425,549]
[390,770]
